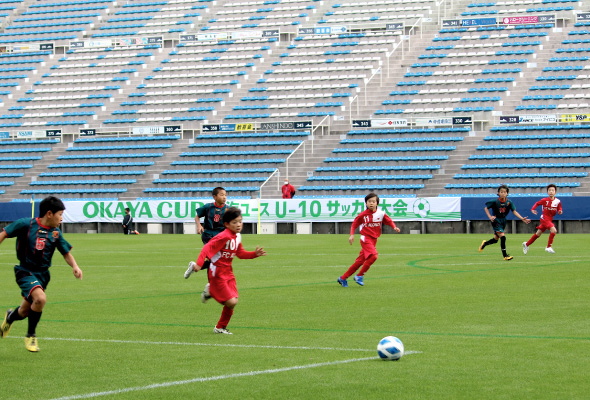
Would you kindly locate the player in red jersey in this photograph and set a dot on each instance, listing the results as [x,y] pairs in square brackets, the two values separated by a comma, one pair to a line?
[551,206]
[370,222]
[221,250]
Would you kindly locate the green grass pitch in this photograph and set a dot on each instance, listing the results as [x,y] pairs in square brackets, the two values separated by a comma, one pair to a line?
[475,326]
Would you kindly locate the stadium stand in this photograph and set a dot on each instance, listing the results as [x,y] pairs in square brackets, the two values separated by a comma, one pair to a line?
[112,66]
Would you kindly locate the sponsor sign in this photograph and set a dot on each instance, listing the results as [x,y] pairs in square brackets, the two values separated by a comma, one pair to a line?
[398,26]
[478,21]
[462,120]
[509,119]
[361,123]
[537,119]
[434,121]
[386,123]
[575,118]
[267,210]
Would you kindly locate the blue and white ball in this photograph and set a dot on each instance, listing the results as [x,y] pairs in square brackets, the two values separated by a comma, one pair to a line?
[390,348]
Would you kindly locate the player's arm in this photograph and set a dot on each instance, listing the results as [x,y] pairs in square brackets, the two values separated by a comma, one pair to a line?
[523,219]
[355,224]
[537,204]
[390,222]
[490,216]
[243,254]
[559,211]
[72,263]
[3,236]
[200,213]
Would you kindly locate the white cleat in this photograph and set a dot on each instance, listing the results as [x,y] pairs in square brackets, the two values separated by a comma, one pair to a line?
[190,269]
[550,250]
[525,248]
[222,330]
[205,295]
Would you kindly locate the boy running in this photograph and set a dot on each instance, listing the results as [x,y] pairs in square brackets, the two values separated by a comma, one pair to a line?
[220,251]
[500,208]
[36,240]
[550,207]
[370,222]
[212,225]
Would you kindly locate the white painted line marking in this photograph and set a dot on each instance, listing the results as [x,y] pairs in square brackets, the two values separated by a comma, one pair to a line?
[209,379]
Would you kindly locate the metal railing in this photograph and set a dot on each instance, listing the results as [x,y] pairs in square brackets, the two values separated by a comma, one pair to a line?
[277,173]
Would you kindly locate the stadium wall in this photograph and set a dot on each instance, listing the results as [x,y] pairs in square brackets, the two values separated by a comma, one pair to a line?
[576,219]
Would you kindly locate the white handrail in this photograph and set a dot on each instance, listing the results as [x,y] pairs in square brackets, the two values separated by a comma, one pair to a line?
[292,154]
[276,171]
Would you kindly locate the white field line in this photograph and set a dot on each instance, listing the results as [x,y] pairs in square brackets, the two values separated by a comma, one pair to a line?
[209,379]
[254,346]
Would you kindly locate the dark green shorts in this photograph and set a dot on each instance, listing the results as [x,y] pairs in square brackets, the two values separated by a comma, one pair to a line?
[28,281]
[498,225]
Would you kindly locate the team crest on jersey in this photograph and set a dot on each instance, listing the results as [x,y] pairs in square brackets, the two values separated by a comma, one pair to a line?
[55,234]
[40,244]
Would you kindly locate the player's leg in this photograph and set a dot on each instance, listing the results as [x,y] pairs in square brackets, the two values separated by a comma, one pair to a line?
[11,316]
[226,314]
[552,233]
[536,235]
[38,301]
[352,269]
[491,241]
[503,246]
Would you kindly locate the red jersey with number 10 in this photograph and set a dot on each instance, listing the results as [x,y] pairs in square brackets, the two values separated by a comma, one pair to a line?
[370,223]
[221,250]
[550,208]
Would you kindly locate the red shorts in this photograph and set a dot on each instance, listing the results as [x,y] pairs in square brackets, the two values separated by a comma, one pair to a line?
[223,288]
[544,225]
[368,247]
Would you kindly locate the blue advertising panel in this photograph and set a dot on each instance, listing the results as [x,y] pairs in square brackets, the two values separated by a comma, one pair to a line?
[12,211]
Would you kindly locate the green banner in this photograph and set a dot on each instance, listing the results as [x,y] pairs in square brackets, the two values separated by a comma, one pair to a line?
[267,210]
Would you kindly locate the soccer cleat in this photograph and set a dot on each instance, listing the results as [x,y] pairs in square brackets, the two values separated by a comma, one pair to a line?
[508,258]
[31,344]
[525,248]
[483,244]
[550,250]
[222,330]
[205,295]
[343,282]
[5,327]
[190,269]
[359,280]
[137,232]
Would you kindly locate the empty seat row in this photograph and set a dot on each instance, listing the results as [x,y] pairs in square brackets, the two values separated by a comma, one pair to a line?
[363,187]
[368,177]
[85,182]
[523,175]
[512,185]
[526,165]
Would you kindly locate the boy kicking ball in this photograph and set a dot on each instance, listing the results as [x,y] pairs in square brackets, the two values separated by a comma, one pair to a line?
[550,206]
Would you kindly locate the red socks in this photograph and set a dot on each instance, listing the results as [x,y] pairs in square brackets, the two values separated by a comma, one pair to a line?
[368,264]
[532,239]
[357,263]
[550,241]
[225,317]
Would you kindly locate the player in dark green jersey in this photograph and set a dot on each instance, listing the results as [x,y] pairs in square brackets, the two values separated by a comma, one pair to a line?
[500,209]
[36,240]
[212,225]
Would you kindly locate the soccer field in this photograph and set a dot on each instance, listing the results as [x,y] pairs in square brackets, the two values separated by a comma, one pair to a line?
[474,326]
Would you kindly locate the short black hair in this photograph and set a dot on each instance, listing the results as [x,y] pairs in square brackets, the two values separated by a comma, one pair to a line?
[503,187]
[551,185]
[231,213]
[216,191]
[52,204]
[127,209]
[370,196]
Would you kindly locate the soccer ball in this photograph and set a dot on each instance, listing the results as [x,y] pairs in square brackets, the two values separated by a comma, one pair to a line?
[390,348]
[421,208]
